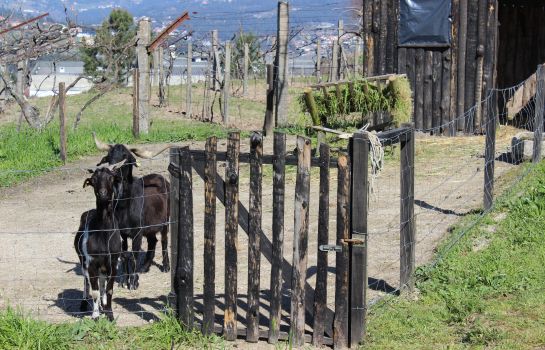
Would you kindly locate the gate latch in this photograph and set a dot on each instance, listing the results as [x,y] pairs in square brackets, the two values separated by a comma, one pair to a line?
[357,239]
[330,248]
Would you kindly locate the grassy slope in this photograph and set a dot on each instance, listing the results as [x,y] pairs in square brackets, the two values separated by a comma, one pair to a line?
[486,292]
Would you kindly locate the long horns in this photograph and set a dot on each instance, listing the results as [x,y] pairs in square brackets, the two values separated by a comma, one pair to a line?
[148,154]
[101,145]
[137,151]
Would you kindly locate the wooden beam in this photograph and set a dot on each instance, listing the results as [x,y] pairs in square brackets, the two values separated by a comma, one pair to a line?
[159,40]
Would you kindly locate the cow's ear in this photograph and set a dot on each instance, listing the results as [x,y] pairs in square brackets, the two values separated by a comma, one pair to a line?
[90,171]
[87,182]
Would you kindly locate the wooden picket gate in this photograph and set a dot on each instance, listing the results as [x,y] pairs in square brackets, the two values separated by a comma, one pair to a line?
[342,327]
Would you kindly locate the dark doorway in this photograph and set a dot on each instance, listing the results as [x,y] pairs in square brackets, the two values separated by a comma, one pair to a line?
[521,40]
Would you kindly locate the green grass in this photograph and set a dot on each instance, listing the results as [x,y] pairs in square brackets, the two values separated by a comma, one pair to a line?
[19,331]
[486,291]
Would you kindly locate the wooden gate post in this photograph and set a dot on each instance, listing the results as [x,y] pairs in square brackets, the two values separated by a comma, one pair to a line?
[538,121]
[300,241]
[184,266]
[144,36]
[490,150]
[231,236]
[359,158]
[279,162]
[407,239]
[62,117]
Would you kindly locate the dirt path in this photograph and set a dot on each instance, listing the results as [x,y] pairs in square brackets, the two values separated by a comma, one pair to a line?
[38,264]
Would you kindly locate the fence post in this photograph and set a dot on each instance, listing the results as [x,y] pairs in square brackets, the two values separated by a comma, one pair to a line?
[319,61]
[216,61]
[144,34]
[62,117]
[357,55]
[340,29]
[407,225]
[269,121]
[281,63]
[245,69]
[334,69]
[489,152]
[359,159]
[226,82]
[538,123]
[184,267]
[188,108]
[135,113]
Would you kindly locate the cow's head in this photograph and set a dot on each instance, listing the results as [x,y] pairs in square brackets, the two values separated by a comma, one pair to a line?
[119,152]
[105,181]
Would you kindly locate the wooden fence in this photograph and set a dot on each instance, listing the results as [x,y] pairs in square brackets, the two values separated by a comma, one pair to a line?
[342,327]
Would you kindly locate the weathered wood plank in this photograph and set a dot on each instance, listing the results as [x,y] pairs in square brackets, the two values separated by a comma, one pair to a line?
[340,324]
[428,90]
[461,63]
[436,94]
[407,225]
[445,91]
[410,69]
[254,251]
[184,267]
[300,241]
[209,294]
[278,235]
[471,62]
[402,60]
[419,89]
[231,235]
[383,33]
[455,15]
[359,211]
[320,294]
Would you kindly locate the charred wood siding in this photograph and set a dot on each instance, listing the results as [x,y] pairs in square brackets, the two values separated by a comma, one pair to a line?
[444,81]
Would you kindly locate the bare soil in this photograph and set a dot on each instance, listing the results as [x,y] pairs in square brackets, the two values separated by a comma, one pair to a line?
[39,268]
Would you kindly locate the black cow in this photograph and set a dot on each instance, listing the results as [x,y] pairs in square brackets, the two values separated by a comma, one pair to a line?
[142,210]
[98,243]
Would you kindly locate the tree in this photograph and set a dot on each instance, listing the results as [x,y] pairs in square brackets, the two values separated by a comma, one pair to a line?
[110,57]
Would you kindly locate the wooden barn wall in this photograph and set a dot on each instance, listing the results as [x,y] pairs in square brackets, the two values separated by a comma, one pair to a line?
[446,82]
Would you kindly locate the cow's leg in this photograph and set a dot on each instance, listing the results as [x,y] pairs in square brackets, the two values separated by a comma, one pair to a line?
[133,275]
[164,247]
[150,254]
[95,294]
